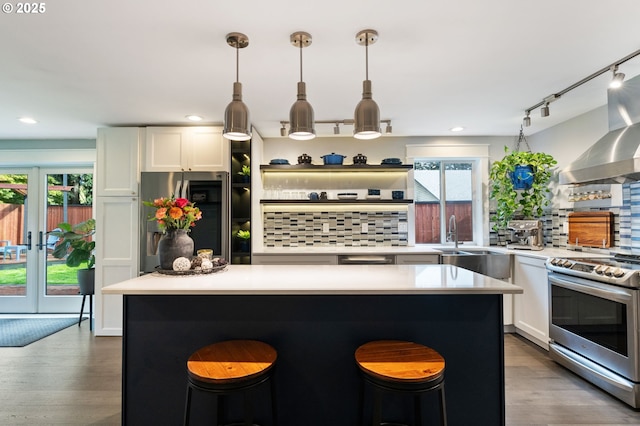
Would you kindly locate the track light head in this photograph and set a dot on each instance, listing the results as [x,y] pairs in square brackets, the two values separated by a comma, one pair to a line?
[526,121]
[544,111]
[618,78]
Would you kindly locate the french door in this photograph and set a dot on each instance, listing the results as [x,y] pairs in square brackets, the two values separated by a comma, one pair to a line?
[33,201]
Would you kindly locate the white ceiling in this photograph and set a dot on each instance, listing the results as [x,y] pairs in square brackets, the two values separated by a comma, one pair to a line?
[437,64]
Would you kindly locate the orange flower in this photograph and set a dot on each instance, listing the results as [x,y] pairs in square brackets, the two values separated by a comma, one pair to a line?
[175,213]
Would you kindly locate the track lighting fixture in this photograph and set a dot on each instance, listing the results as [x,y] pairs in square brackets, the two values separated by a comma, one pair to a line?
[367,113]
[336,127]
[236,115]
[617,79]
[301,114]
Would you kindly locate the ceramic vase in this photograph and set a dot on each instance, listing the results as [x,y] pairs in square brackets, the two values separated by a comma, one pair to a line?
[174,243]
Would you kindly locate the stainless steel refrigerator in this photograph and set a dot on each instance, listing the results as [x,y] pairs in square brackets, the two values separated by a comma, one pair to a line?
[210,193]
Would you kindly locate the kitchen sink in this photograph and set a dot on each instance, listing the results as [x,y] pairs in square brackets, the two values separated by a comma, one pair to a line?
[494,264]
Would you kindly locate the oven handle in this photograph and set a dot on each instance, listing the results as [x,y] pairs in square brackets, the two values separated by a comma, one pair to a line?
[593,288]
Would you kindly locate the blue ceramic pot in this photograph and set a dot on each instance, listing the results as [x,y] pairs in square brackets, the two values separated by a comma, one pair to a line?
[522,177]
[333,158]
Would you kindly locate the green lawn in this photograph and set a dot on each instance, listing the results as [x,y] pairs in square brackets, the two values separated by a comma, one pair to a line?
[56,274]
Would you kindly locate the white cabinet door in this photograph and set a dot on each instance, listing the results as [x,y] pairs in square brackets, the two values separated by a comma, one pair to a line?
[208,150]
[531,309]
[186,148]
[117,235]
[417,259]
[117,161]
[164,149]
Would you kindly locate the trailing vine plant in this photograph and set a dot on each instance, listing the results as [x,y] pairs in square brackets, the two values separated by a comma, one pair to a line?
[527,202]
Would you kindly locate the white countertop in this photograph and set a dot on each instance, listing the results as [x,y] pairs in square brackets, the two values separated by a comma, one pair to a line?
[318,279]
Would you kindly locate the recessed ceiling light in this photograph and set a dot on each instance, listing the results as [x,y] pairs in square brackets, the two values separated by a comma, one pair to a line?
[194,118]
[457,129]
[27,120]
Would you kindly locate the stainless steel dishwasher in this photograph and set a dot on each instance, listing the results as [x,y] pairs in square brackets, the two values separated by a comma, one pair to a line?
[347,259]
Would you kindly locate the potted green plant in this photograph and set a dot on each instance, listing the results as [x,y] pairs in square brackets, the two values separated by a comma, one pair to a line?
[245,173]
[75,247]
[529,202]
[244,237]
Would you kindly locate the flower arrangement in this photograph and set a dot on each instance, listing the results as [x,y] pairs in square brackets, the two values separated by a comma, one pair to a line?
[174,213]
[244,235]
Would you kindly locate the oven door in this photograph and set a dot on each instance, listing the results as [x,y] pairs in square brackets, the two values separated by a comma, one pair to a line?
[596,320]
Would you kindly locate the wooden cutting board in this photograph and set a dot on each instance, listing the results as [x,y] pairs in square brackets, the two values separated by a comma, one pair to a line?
[591,229]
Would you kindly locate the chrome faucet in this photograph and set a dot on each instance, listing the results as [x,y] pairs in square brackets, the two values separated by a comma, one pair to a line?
[452,235]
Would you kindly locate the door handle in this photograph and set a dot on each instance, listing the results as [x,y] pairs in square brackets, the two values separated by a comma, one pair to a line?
[29,240]
[40,245]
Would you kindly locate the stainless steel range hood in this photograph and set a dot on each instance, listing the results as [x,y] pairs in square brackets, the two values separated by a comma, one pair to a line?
[614,158]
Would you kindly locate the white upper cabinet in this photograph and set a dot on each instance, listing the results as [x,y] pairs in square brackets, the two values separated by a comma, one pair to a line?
[118,160]
[170,149]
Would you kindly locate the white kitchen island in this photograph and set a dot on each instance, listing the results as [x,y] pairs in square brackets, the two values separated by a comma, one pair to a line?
[315,316]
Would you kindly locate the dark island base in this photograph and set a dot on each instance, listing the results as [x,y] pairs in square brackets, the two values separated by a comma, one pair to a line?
[316,377]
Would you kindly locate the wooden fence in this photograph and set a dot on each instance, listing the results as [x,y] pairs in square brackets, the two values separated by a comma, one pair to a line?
[12,220]
[428,221]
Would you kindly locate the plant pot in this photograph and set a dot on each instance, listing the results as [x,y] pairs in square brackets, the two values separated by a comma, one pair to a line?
[245,178]
[86,281]
[245,246]
[174,244]
[522,177]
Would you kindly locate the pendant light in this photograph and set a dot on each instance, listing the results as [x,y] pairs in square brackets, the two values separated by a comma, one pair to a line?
[301,114]
[367,114]
[236,116]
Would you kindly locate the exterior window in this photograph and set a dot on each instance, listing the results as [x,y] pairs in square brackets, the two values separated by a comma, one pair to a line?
[442,189]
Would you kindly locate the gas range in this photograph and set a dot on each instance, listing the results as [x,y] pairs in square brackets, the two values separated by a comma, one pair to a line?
[620,270]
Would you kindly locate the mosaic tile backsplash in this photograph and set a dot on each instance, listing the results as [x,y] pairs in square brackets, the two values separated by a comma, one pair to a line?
[300,229]
[626,225]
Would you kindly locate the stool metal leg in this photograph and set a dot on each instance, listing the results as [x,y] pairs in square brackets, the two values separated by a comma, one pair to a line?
[187,406]
[377,407]
[361,405]
[443,407]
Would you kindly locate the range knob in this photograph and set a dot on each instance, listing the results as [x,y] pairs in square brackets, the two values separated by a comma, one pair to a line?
[554,261]
[567,263]
[618,272]
[609,271]
[600,269]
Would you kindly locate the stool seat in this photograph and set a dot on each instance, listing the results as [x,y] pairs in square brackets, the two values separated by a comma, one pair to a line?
[403,367]
[231,361]
[399,361]
[229,367]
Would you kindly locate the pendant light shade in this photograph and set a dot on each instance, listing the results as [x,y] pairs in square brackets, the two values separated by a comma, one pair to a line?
[367,113]
[236,115]
[301,114]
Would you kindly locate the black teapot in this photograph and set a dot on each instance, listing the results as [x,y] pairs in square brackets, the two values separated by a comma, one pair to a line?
[304,159]
[360,159]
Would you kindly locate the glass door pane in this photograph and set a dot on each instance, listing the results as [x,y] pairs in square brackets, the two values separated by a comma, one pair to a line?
[18,286]
[458,197]
[69,199]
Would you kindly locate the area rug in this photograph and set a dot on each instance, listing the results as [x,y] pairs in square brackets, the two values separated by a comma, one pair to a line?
[16,332]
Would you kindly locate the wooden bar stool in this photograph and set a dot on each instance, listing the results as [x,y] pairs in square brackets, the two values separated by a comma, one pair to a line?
[228,367]
[403,367]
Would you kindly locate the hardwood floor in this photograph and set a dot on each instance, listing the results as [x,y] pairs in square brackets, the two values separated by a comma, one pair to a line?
[74,378]
[541,392]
